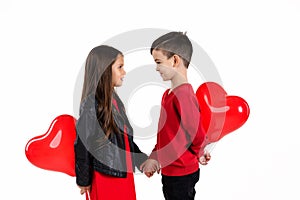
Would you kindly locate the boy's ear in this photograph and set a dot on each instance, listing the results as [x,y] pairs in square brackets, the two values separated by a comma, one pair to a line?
[177,60]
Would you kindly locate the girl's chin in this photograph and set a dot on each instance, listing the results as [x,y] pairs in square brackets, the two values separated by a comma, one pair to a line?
[118,85]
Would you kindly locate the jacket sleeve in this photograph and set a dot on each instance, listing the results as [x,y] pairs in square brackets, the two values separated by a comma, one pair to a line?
[83,161]
[85,128]
[139,156]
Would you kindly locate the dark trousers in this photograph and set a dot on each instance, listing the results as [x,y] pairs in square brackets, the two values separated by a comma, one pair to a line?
[180,187]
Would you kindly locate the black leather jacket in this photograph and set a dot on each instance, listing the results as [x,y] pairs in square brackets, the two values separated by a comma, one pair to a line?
[93,151]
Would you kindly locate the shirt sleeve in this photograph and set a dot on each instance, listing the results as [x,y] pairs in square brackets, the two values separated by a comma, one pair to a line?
[153,154]
[188,109]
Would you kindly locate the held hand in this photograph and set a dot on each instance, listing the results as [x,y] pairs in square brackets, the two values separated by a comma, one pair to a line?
[149,174]
[149,167]
[203,160]
[84,189]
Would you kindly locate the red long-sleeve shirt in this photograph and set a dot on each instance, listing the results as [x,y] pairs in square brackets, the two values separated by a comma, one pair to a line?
[180,134]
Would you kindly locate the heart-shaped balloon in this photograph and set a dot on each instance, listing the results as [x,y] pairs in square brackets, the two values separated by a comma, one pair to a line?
[54,150]
[220,113]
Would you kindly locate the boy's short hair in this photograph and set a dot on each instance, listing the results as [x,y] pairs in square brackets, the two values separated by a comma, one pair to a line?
[174,43]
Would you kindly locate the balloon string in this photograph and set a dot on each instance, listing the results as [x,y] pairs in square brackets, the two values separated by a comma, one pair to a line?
[87,195]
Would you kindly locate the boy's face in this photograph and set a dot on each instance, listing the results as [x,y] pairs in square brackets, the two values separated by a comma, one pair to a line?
[164,65]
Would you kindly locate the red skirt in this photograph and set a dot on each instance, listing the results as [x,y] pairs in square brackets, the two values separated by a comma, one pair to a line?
[105,187]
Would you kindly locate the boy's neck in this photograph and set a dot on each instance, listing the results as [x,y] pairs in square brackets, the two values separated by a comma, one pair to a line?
[179,79]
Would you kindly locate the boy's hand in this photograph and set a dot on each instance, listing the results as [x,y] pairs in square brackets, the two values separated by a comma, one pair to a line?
[203,160]
[149,167]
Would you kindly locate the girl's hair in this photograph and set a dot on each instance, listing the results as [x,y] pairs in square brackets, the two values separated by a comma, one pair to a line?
[98,83]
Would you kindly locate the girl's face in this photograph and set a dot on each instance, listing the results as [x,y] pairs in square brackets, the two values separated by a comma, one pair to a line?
[164,65]
[118,72]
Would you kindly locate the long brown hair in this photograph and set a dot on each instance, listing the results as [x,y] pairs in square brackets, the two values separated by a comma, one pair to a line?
[98,82]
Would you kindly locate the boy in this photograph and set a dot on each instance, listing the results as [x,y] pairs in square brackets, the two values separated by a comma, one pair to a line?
[180,139]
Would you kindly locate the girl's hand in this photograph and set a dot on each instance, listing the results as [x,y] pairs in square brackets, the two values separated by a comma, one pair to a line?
[84,189]
[149,167]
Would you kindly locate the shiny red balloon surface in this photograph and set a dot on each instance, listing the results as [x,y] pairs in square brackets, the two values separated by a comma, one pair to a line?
[54,150]
[220,113]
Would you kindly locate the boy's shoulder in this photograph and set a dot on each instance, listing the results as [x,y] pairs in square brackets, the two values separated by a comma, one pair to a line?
[185,94]
[184,89]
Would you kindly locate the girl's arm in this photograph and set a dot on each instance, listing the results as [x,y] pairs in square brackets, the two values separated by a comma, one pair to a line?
[83,161]
[85,129]
[139,156]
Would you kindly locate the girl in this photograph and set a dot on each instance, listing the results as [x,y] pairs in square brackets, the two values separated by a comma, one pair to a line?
[105,153]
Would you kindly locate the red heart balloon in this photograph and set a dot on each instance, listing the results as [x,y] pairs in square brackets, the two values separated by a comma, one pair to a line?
[220,113]
[54,150]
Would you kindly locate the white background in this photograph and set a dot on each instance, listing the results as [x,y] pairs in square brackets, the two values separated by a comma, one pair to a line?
[255,46]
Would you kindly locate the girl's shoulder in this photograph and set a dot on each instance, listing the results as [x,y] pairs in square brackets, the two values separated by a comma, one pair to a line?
[88,104]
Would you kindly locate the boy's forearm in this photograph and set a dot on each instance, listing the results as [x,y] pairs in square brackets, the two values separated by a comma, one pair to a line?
[153,154]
